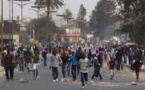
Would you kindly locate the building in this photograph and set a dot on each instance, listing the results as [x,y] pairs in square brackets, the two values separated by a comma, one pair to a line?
[72,35]
[8,32]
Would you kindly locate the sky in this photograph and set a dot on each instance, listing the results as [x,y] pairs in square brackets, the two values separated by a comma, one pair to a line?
[73,5]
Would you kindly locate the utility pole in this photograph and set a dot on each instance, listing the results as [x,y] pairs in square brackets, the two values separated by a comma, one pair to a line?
[9,18]
[22,5]
[2,43]
[12,21]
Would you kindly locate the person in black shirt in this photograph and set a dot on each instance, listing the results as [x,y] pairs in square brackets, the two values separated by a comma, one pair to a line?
[8,65]
[137,64]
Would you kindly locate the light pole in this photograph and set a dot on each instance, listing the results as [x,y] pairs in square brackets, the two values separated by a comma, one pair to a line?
[12,21]
[2,44]
[22,5]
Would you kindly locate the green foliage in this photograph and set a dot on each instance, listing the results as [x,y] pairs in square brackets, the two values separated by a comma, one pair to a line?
[82,13]
[40,27]
[102,17]
[81,18]
[50,4]
[68,13]
[133,12]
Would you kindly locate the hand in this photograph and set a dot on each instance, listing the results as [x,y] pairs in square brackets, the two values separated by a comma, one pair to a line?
[60,64]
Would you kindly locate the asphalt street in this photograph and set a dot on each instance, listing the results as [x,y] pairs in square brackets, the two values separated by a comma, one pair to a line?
[122,81]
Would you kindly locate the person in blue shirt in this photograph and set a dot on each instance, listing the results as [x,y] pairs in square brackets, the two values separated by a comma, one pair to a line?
[73,61]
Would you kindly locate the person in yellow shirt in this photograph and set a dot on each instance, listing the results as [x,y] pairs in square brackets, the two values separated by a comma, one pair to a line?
[35,64]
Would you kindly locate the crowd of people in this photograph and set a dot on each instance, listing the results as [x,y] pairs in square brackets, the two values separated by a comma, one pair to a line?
[74,60]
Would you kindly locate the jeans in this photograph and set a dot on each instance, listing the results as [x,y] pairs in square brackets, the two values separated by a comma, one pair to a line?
[55,72]
[78,69]
[96,73]
[119,65]
[9,70]
[84,78]
[73,71]
[64,66]
[68,69]
[44,61]
[21,64]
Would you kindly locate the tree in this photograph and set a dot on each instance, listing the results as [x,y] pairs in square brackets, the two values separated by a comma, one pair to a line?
[81,18]
[42,27]
[133,13]
[82,13]
[50,5]
[68,15]
[102,17]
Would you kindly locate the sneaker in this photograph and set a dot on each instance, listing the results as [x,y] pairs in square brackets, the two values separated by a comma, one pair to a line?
[62,80]
[82,87]
[54,80]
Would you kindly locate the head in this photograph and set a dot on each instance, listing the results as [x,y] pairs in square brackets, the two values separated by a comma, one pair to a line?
[112,58]
[54,52]
[89,50]
[73,53]
[79,48]
[83,56]
[96,51]
[63,49]
[36,53]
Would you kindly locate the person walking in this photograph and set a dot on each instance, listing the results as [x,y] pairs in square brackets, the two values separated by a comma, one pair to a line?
[55,62]
[8,65]
[97,67]
[78,56]
[73,61]
[64,58]
[28,59]
[111,67]
[44,55]
[21,58]
[100,56]
[90,55]
[137,64]
[84,65]
[118,59]
[35,64]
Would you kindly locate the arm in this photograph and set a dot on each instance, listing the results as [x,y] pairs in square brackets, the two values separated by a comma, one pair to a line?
[60,60]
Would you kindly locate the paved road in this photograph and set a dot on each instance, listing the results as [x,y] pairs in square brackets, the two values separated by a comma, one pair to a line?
[122,81]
